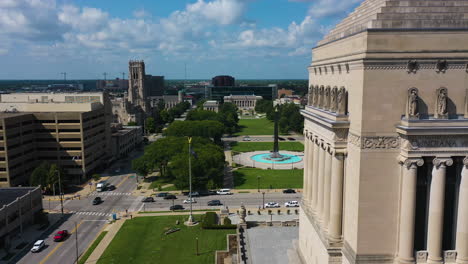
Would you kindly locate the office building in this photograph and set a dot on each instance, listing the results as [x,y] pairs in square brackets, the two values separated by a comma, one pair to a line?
[269,92]
[125,139]
[243,102]
[223,80]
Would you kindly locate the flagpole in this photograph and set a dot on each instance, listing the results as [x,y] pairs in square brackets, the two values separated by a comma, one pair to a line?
[190,220]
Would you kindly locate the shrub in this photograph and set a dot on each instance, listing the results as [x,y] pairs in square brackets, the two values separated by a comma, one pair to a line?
[227,221]
[210,222]
[269,212]
[289,211]
[279,211]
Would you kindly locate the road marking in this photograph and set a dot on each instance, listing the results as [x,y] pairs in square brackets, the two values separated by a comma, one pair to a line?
[58,246]
[120,183]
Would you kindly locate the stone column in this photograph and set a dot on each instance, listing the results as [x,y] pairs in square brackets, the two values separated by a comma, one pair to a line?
[310,161]
[461,244]
[408,210]
[436,210]
[305,188]
[320,181]
[327,189]
[315,172]
[336,200]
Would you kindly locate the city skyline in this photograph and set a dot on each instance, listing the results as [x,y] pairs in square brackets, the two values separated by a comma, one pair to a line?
[249,39]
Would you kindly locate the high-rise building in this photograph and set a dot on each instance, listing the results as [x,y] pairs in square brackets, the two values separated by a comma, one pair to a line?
[70,130]
[223,80]
[386,137]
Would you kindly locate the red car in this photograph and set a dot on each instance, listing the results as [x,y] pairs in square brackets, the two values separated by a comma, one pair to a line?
[61,235]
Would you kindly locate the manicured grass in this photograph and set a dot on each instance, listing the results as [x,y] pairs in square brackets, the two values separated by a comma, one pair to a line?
[261,126]
[179,211]
[276,179]
[260,146]
[159,181]
[90,250]
[142,240]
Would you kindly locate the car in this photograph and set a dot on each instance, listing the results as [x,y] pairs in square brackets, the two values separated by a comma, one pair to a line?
[148,199]
[289,191]
[38,246]
[214,203]
[272,205]
[246,138]
[190,200]
[224,192]
[97,201]
[212,192]
[163,194]
[194,194]
[176,207]
[291,204]
[281,139]
[110,187]
[170,197]
[61,235]
[292,139]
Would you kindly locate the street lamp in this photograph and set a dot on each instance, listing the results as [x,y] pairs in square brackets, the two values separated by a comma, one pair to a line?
[258,183]
[60,190]
[263,204]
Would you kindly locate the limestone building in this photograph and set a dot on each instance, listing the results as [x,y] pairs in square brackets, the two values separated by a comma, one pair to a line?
[243,102]
[386,129]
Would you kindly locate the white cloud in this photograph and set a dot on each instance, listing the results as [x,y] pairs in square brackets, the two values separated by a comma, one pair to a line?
[223,12]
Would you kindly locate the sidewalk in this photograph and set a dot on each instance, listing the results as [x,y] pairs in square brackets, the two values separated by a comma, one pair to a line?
[86,191]
[112,230]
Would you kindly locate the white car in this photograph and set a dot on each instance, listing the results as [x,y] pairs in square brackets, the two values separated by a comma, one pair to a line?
[272,205]
[187,201]
[38,246]
[224,192]
[291,204]
[246,138]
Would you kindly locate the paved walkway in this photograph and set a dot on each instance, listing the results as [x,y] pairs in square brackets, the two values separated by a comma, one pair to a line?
[271,245]
[112,230]
[265,217]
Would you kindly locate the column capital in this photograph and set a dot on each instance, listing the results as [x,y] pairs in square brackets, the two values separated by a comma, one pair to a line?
[465,162]
[412,162]
[445,162]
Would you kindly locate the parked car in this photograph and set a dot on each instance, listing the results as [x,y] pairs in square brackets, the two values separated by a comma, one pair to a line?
[292,139]
[163,194]
[170,197]
[148,199]
[289,191]
[246,138]
[176,207]
[97,201]
[272,205]
[61,235]
[291,204]
[110,187]
[224,192]
[38,246]
[281,139]
[204,193]
[214,203]
[190,200]
[194,194]
[212,192]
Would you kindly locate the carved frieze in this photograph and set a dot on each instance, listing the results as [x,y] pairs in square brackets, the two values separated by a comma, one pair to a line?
[441,103]
[433,142]
[341,135]
[374,142]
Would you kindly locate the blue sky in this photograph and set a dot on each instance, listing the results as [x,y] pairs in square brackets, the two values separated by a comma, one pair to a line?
[248,39]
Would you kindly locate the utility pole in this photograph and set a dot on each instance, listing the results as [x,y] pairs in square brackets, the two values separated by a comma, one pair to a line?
[263,204]
[123,75]
[60,191]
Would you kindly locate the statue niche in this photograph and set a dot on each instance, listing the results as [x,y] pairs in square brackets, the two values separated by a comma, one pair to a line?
[333,99]
[342,100]
[412,109]
[441,103]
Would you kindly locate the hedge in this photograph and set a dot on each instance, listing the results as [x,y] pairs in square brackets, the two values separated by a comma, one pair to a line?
[210,222]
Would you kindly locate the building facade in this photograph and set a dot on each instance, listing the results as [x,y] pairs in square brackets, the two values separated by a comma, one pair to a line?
[70,130]
[269,92]
[244,102]
[386,137]
[19,207]
[211,106]
[125,139]
[223,80]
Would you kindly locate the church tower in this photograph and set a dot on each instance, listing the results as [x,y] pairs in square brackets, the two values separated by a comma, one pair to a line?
[136,90]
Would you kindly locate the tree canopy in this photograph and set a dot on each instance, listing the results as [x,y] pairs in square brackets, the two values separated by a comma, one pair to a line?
[227,115]
[207,128]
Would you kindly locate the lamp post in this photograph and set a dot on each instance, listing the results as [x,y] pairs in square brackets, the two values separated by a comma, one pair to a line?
[263,204]
[60,191]
[258,183]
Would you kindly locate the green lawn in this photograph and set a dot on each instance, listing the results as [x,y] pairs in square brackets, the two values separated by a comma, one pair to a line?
[90,250]
[142,240]
[260,146]
[160,181]
[261,126]
[276,179]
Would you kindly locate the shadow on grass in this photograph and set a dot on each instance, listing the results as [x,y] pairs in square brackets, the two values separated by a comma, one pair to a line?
[239,178]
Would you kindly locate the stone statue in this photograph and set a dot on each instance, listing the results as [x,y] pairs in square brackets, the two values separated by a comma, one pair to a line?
[242,214]
[321,96]
[341,101]
[333,99]
[316,95]
[310,97]
[441,103]
[326,102]
[413,102]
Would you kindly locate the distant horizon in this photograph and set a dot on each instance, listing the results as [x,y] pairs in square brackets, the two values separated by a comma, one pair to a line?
[237,79]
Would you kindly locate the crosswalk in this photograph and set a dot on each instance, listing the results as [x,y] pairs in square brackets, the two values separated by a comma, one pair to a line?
[91,213]
[111,193]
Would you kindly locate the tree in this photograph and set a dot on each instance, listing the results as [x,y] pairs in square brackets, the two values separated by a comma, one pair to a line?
[150,125]
[96,177]
[39,176]
[132,123]
[208,129]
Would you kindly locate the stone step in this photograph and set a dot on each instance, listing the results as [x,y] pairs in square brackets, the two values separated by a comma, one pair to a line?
[420,23]
[426,2]
[421,16]
[425,9]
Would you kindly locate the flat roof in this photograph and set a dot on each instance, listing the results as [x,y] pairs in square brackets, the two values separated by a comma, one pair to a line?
[8,195]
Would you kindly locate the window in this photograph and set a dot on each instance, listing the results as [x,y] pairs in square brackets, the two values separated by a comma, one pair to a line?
[69,130]
[69,121]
